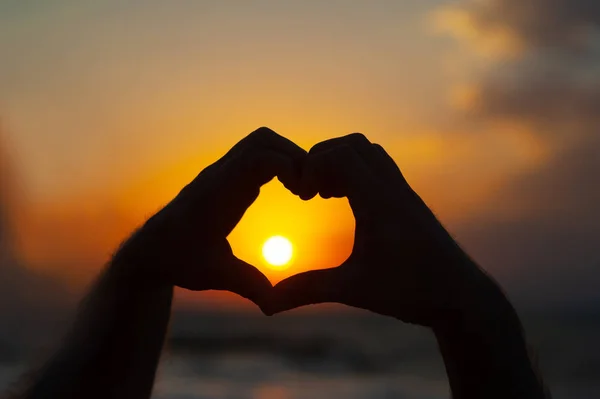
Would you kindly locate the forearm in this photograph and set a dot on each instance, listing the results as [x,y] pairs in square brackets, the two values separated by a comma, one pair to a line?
[485,352]
[479,334]
[114,347]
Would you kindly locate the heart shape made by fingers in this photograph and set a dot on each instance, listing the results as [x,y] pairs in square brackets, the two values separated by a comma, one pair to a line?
[403,262]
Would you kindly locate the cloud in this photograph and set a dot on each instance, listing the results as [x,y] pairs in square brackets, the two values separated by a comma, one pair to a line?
[546,245]
[553,105]
[556,95]
[550,75]
[544,222]
[514,26]
[464,25]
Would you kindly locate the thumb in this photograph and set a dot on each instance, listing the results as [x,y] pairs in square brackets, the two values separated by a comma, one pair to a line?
[308,288]
[246,280]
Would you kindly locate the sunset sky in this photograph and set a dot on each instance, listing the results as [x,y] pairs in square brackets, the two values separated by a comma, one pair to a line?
[490,108]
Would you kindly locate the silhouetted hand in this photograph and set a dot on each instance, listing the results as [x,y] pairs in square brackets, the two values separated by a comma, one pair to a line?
[185,244]
[403,264]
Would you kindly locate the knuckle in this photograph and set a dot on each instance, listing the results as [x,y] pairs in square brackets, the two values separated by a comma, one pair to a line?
[344,152]
[319,147]
[379,148]
[262,133]
[358,138]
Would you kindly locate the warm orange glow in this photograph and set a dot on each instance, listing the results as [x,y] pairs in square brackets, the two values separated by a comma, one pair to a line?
[105,123]
[278,252]
[324,229]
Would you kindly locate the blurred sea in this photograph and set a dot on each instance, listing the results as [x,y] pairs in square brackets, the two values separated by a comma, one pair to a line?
[327,354]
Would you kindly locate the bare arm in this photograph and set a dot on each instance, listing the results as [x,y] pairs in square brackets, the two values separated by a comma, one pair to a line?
[485,350]
[114,346]
[404,264]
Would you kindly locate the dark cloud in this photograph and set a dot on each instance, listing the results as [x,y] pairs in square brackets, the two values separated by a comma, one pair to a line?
[548,246]
[549,251]
[540,23]
[545,83]
[568,186]
[553,103]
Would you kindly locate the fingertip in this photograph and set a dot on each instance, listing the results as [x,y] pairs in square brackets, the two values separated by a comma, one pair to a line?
[268,138]
[307,196]
[264,129]
[249,282]
[307,288]
[273,309]
[290,186]
[267,309]
[358,138]
[291,177]
[255,168]
[326,194]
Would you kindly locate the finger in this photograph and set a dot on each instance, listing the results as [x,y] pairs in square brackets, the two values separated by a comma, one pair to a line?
[255,167]
[245,280]
[261,139]
[265,138]
[337,172]
[243,175]
[309,288]
[390,166]
[373,154]
[311,176]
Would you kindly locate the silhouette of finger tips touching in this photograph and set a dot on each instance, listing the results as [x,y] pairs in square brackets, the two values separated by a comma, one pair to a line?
[337,172]
[256,162]
[318,177]
[309,178]
[257,167]
[372,154]
[265,138]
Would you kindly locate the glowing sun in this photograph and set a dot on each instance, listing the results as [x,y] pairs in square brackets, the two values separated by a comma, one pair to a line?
[278,251]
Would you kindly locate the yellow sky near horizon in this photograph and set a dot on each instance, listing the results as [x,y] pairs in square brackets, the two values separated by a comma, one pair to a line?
[110,109]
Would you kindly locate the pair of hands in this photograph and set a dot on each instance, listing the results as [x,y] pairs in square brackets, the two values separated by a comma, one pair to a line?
[404,264]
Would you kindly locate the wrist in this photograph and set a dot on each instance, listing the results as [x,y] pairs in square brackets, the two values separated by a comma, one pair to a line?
[490,326]
[137,262]
[485,352]
[482,315]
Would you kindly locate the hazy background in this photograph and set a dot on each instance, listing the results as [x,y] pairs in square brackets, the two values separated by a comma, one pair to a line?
[491,109]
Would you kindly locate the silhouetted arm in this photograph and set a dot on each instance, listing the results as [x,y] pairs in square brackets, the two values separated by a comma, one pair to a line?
[485,351]
[114,346]
[404,264]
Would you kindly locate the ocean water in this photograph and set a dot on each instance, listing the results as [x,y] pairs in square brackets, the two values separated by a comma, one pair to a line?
[346,354]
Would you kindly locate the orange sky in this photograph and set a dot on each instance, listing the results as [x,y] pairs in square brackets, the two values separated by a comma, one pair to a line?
[110,109]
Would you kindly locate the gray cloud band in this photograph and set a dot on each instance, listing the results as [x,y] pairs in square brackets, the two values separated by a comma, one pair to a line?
[552,86]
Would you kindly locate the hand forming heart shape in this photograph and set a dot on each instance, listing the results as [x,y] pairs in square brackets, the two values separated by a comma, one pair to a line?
[404,263]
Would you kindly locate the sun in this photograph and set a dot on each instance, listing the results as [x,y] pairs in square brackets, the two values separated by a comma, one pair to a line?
[278,251]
